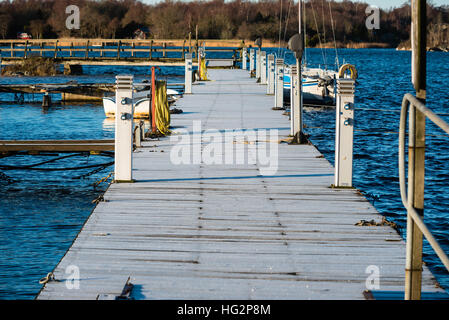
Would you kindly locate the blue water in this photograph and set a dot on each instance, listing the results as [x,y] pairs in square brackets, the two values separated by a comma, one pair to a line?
[41,212]
[384,78]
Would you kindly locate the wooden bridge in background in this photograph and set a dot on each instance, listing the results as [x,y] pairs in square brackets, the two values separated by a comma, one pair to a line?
[119,51]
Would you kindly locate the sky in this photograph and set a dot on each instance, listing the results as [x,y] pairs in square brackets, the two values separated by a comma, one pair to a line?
[384,4]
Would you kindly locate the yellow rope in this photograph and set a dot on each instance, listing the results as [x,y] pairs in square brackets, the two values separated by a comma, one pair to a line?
[162,110]
[203,69]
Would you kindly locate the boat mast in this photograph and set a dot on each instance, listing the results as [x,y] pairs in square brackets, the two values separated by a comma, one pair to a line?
[305,31]
[301,7]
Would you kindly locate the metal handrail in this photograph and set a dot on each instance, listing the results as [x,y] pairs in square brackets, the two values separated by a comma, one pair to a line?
[410,100]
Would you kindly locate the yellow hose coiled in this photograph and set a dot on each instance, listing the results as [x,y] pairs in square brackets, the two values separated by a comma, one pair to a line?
[162,110]
[203,69]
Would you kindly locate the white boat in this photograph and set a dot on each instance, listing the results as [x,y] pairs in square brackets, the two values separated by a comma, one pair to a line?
[142,103]
[141,107]
[317,86]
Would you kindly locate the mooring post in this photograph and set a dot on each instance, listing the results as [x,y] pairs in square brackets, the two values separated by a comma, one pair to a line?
[138,135]
[258,65]
[46,100]
[196,43]
[263,67]
[279,84]
[293,84]
[344,132]
[123,129]
[188,74]
[56,50]
[297,107]
[416,156]
[271,75]
[142,130]
[119,47]
[251,62]
[244,57]
[190,42]
[86,55]
[26,50]
[183,49]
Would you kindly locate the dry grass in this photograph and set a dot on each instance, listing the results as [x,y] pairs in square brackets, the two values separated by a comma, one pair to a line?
[34,66]
[356,45]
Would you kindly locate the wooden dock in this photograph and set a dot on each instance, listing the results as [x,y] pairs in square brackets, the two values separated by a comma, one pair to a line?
[57,146]
[72,91]
[226,231]
[118,52]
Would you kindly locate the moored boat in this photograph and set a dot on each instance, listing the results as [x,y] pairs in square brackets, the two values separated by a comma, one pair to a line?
[142,103]
[317,86]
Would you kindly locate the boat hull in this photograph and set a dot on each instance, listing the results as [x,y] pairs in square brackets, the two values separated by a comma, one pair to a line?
[313,93]
[141,108]
[142,103]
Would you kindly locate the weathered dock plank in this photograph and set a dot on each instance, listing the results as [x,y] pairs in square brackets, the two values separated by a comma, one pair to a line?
[199,231]
[56,145]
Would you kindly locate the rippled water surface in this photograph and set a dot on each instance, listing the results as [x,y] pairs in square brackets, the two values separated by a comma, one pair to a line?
[41,212]
[384,78]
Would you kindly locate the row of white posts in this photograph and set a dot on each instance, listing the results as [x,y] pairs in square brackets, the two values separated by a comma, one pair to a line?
[275,85]
[270,71]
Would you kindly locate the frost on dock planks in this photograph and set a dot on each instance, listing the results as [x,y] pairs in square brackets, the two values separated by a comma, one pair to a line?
[198,231]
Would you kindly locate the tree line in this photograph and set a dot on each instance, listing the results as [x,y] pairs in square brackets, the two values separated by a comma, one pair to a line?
[215,19]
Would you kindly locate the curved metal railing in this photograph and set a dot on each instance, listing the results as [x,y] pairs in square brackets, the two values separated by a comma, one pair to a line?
[407,199]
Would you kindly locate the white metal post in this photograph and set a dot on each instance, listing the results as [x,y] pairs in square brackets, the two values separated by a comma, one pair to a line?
[244,57]
[258,65]
[279,85]
[292,99]
[297,104]
[271,74]
[251,61]
[188,74]
[123,129]
[344,132]
[263,67]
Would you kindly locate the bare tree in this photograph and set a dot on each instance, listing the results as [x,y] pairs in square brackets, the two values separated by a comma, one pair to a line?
[5,20]
[37,28]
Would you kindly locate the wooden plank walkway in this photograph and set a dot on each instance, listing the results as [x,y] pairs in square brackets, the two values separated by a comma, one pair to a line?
[198,231]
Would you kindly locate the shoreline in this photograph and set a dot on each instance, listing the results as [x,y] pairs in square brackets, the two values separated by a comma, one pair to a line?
[217,43]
